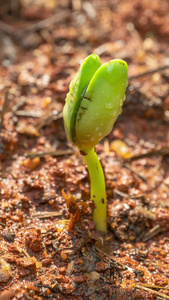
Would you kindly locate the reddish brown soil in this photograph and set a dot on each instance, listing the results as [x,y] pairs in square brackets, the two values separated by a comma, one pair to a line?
[49,246]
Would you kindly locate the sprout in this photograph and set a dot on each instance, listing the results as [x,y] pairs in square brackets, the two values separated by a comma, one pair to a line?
[95,99]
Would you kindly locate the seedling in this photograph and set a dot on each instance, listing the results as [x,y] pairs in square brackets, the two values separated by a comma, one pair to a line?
[95,99]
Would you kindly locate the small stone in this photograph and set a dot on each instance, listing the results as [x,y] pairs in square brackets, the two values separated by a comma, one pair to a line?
[26,266]
[7,295]
[33,240]
[156,78]
[4,276]
[46,261]
[148,44]
[80,278]
[95,275]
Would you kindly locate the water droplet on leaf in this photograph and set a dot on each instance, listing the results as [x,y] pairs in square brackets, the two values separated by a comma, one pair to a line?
[109,105]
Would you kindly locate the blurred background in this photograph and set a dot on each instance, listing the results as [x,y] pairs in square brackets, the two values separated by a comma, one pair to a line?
[133,30]
[42,43]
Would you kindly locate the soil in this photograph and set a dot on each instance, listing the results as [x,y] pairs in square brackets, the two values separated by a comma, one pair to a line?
[49,246]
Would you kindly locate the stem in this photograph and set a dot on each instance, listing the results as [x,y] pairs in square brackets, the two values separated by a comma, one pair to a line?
[98,189]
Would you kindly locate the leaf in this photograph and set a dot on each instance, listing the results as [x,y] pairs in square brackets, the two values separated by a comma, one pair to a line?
[76,209]
[76,91]
[106,91]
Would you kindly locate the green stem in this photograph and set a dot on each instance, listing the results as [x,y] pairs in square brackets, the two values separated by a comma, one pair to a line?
[98,189]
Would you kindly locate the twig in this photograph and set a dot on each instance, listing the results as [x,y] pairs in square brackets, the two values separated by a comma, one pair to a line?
[50,116]
[29,114]
[126,165]
[151,291]
[112,265]
[147,214]
[152,232]
[4,109]
[104,256]
[24,252]
[162,151]
[35,26]
[2,252]
[54,288]
[44,215]
[47,199]
[121,194]
[51,153]
[45,23]
[158,287]
[125,195]
[19,104]
[149,72]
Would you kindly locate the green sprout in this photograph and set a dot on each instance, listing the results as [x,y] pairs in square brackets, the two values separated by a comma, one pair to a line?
[95,99]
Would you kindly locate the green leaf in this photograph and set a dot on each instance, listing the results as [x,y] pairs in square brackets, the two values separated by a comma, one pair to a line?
[101,104]
[77,89]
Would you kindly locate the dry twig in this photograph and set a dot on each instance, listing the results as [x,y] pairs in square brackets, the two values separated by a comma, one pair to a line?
[55,19]
[126,165]
[28,114]
[159,69]
[48,214]
[140,287]
[51,153]
[50,116]
[158,287]
[161,151]
[152,232]
[24,252]
[4,109]
[106,258]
